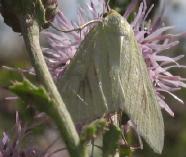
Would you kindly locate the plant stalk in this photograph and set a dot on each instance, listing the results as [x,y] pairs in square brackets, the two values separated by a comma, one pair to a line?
[59,112]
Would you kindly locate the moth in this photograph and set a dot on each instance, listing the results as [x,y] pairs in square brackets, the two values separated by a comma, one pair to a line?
[108,74]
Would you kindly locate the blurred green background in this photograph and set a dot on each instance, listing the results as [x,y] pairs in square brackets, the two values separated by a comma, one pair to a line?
[12,53]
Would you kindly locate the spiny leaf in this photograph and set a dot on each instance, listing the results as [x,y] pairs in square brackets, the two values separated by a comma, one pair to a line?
[31,93]
[125,151]
[111,140]
[92,130]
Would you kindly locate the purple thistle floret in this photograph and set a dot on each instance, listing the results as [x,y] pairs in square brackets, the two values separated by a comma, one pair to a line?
[152,41]
[13,147]
[63,46]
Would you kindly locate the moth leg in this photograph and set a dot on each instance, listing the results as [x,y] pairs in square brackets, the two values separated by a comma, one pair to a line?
[131,125]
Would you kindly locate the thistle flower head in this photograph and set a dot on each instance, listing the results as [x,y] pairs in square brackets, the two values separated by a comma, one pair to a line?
[152,40]
[63,46]
[12,148]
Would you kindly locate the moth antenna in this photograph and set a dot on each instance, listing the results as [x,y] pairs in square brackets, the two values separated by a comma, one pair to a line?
[75,29]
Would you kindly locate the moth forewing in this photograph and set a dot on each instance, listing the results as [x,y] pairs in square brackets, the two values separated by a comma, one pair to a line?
[108,74]
[139,96]
[80,87]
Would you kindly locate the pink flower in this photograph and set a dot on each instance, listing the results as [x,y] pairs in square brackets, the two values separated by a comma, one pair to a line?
[13,146]
[63,46]
[152,40]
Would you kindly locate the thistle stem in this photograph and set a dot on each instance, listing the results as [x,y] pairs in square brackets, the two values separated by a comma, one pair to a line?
[59,112]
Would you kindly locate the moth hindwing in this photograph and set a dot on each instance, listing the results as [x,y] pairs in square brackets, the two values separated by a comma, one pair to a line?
[107,74]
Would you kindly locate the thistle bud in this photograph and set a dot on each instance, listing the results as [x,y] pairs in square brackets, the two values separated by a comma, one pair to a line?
[11,10]
[10,18]
[50,10]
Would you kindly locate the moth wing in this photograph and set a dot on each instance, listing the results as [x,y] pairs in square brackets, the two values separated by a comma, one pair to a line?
[80,87]
[131,86]
[124,78]
[109,73]
[140,99]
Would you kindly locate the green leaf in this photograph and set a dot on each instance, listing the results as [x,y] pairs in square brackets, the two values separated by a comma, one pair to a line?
[92,130]
[30,93]
[108,74]
[125,151]
[111,140]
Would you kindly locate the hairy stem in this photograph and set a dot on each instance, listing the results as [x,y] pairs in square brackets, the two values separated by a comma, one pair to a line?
[59,112]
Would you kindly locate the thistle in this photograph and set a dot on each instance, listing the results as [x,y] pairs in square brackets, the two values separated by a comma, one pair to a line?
[151,37]
[12,147]
[11,10]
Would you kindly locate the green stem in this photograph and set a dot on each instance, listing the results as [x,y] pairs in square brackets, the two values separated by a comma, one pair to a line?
[59,112]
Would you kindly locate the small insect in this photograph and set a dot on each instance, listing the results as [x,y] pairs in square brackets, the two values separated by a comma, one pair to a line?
[109,73]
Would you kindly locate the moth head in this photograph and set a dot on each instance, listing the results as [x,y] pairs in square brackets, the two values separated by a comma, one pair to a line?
[115,23]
